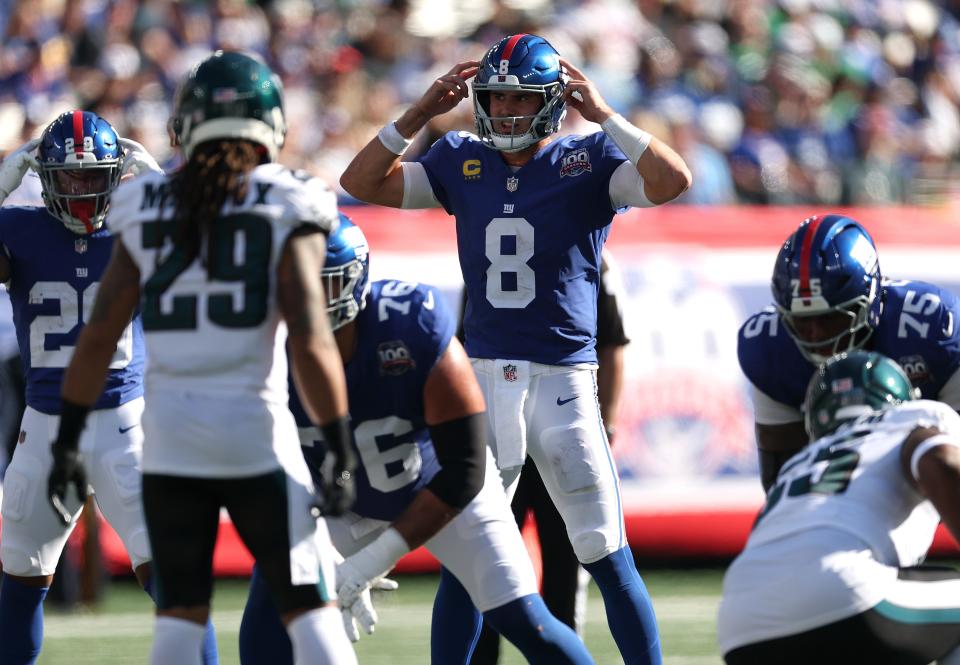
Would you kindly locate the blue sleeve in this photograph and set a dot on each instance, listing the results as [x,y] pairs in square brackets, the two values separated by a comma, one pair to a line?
[919,329]
[750,354]
[10,221]
[612,154]
[435,319]
[611,157]
[947,347]
[439,162]
[770,360]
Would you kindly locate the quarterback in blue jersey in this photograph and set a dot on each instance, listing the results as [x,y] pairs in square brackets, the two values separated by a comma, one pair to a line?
[829,298]
[532,214]
[52,260]
[417,417]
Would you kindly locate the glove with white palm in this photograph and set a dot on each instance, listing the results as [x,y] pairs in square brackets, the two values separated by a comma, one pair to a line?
[361,613]
[363,571]
[136,159]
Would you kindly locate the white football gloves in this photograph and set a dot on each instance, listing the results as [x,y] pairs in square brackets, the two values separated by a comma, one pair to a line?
[136,159]
[15,166]
[361,613]
[365,570]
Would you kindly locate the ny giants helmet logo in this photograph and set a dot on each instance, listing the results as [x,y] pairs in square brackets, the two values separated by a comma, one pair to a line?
[394,358]
[574,163]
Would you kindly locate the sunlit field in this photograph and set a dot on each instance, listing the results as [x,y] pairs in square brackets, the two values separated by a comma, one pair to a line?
[119,631]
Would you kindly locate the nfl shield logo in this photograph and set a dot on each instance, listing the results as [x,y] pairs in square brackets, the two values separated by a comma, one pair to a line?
[510,373]
[80,245]
[512,184]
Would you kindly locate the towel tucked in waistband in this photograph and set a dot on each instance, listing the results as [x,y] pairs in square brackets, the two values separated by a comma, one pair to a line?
[511,385]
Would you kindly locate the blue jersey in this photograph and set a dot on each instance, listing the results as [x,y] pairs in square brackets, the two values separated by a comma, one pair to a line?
[529,242]
[919,328]
[401,334]
[55,274]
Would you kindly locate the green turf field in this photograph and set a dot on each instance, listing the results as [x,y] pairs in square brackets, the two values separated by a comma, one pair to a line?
[119,632]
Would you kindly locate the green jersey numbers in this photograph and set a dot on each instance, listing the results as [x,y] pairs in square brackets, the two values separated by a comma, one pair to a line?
[242,246]
[826,470]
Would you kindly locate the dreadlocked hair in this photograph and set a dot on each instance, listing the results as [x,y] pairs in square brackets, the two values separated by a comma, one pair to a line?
[215,173]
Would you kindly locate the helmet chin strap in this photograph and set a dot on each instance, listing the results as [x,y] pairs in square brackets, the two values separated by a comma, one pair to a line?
[84,211]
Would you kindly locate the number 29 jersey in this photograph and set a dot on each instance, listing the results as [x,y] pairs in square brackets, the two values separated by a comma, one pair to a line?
[853,480]
[402,332]
[529,242]
[210,325]
[55,274]
[216,381]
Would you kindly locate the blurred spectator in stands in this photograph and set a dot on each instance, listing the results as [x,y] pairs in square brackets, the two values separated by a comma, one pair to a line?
[809,87]
[712,179]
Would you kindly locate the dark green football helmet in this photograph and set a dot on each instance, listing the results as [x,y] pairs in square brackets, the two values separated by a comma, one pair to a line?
[851,385]
[230,95]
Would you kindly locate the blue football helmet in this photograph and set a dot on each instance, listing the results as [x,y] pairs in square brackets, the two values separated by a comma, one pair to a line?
[79,160]
[520,63]
[826,285]
[346,273]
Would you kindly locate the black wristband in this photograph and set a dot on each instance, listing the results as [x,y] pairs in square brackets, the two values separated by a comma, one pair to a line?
[73,418]
[339,439]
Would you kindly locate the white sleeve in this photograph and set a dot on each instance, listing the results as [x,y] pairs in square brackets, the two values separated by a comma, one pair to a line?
[950,393]
[122,202]
[313,201]
[768,411]
[417,191]
[626,188]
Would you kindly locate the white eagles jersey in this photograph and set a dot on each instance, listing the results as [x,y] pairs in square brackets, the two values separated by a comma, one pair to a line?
[214,335]
[852,480]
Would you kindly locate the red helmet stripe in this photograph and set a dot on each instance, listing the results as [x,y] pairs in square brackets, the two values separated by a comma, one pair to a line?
[78,132]
[512,44]
[805,251]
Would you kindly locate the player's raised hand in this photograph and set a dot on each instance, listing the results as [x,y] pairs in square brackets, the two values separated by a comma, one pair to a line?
[582,95]
[15,165]
[448,90]
[136,159]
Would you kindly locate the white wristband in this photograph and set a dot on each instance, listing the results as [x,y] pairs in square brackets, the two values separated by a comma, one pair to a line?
[933,442]
[392,139]
[378,557]
[632,140]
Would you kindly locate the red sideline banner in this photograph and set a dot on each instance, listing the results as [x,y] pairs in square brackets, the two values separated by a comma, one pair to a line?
[685,444]
[691,276]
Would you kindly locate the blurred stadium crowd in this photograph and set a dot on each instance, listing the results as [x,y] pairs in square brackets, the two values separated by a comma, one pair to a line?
[769,101]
